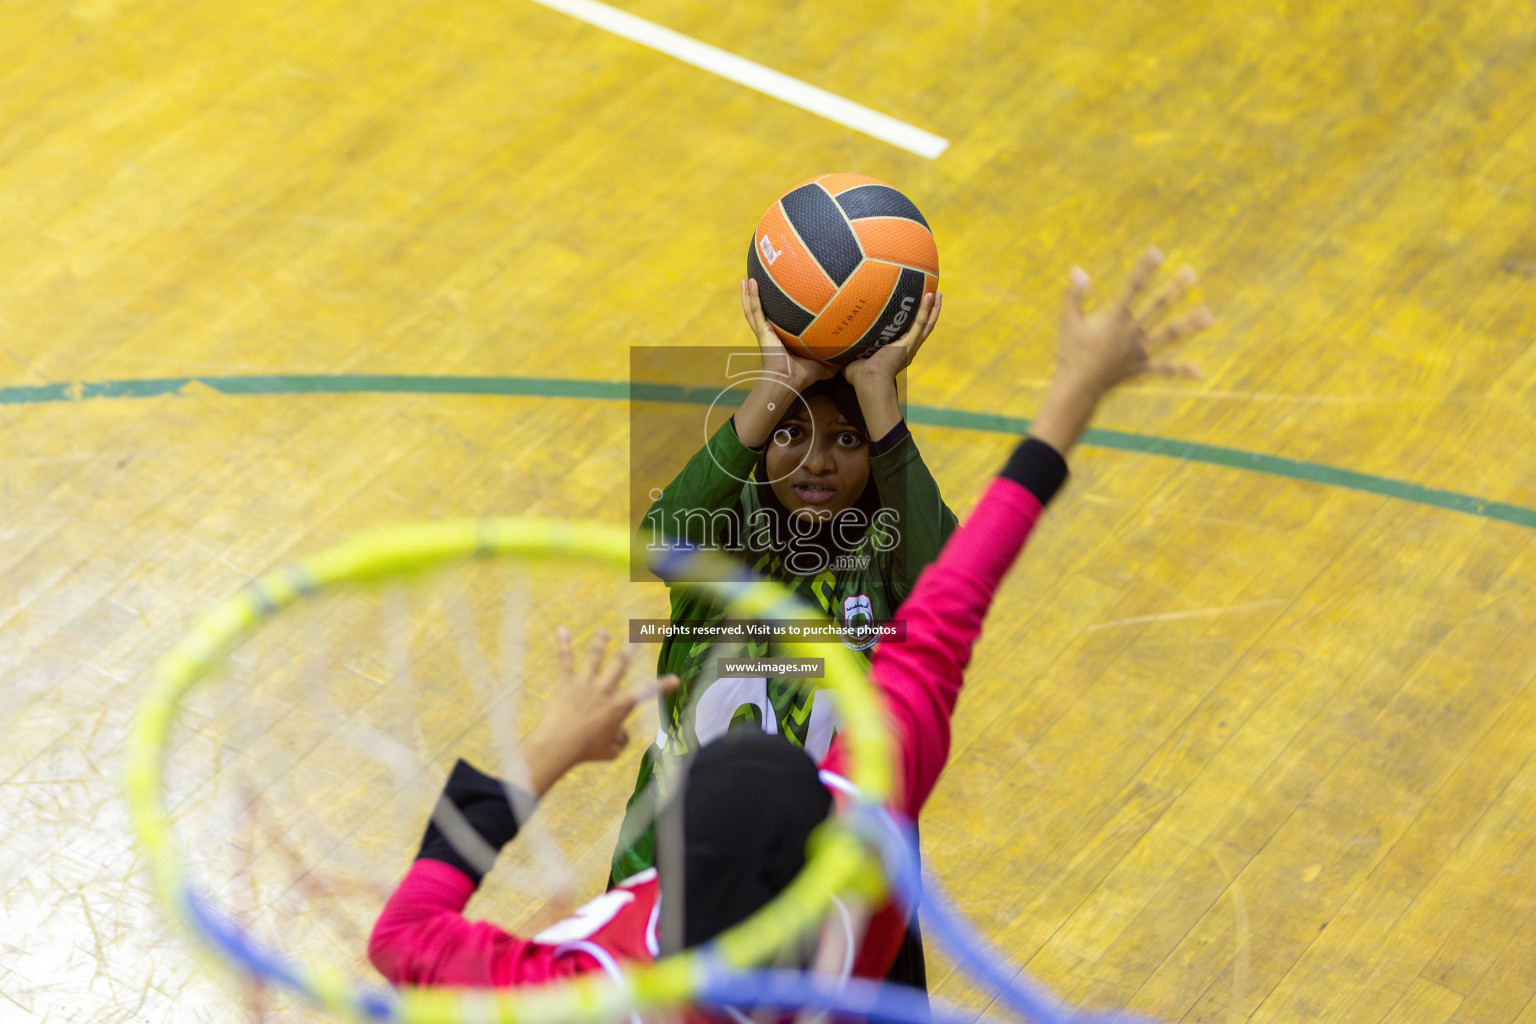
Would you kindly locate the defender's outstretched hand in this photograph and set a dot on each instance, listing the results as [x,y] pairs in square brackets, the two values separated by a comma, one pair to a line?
[584,719]
[1114,345]
[1098,351]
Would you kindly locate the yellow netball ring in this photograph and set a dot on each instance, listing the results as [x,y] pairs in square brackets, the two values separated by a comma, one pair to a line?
[838,862]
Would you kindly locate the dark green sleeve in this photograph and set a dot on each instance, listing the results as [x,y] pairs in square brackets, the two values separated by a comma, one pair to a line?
[915,522]
[696,506]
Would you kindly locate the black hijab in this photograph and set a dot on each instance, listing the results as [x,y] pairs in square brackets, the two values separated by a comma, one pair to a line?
[749,807]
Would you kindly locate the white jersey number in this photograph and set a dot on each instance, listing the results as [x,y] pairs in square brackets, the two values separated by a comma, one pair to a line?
[721,700]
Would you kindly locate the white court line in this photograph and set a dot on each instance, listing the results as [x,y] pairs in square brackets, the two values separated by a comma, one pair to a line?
[753,76]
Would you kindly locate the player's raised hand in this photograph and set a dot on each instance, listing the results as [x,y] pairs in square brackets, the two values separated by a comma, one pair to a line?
[1130,337]
[1097,351]
[797,371]
[584,719]
[888,361]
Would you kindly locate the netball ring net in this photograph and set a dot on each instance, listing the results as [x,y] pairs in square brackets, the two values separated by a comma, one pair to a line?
[291,782]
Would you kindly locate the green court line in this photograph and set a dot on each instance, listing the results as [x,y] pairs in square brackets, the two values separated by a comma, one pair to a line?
[557,387]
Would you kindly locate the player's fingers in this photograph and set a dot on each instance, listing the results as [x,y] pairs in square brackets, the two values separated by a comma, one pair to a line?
[1077,294]
[1172,369]
[617,667]
[922,324]
[928,312]
[595,653]
[755,315]
[920,317]
[1168,295]
[1141,275]
[649,691]
[563,652]
[752,305]
[1180,329]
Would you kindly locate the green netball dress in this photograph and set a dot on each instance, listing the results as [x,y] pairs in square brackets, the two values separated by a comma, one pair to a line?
[857,578]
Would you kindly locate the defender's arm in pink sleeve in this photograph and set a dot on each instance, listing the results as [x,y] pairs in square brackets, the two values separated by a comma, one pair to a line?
[921,677]
[423,938]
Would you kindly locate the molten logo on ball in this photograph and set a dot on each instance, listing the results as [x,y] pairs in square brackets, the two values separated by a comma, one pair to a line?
[893,332]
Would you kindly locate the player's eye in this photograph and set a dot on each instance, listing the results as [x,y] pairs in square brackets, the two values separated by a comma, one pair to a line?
[787,434]
[850,439]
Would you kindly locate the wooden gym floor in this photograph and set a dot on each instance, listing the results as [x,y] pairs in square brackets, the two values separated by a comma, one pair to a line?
[1250,736]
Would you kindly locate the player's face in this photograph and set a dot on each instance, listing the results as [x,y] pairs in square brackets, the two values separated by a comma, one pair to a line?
[819,463]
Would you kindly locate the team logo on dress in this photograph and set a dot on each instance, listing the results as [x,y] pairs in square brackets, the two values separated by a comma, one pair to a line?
[769,252]
[859,617]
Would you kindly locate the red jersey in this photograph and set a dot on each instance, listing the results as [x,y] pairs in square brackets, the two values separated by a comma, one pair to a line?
[422,937]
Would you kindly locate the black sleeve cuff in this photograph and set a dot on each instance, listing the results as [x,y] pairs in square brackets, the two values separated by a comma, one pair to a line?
[897,434]
[743,443]
[482,805]
[1038,468]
